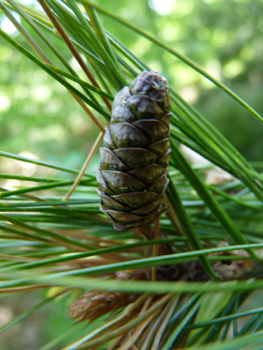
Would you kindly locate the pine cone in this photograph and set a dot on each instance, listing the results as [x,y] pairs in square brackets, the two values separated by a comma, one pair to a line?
[132,176]
[94,304]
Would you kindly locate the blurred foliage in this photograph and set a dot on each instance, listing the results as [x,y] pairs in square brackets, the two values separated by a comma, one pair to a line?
[224,37]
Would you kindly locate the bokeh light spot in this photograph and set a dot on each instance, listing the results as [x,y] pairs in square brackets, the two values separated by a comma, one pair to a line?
[41,93]
[4,103]
[7,26]
[233,68]
[163,7]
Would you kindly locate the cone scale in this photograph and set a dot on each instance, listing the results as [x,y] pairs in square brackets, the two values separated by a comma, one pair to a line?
[132,175]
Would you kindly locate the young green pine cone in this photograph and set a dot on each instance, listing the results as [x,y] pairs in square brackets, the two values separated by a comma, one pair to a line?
[132,175]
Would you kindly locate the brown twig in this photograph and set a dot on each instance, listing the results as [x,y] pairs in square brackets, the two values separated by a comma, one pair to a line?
[22,289]
[72,48]
[82,171]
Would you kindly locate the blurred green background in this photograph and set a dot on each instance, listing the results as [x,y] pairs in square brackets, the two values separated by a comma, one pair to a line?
[40,119]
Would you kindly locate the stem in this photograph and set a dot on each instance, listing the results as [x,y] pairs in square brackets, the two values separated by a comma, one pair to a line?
[155,246]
